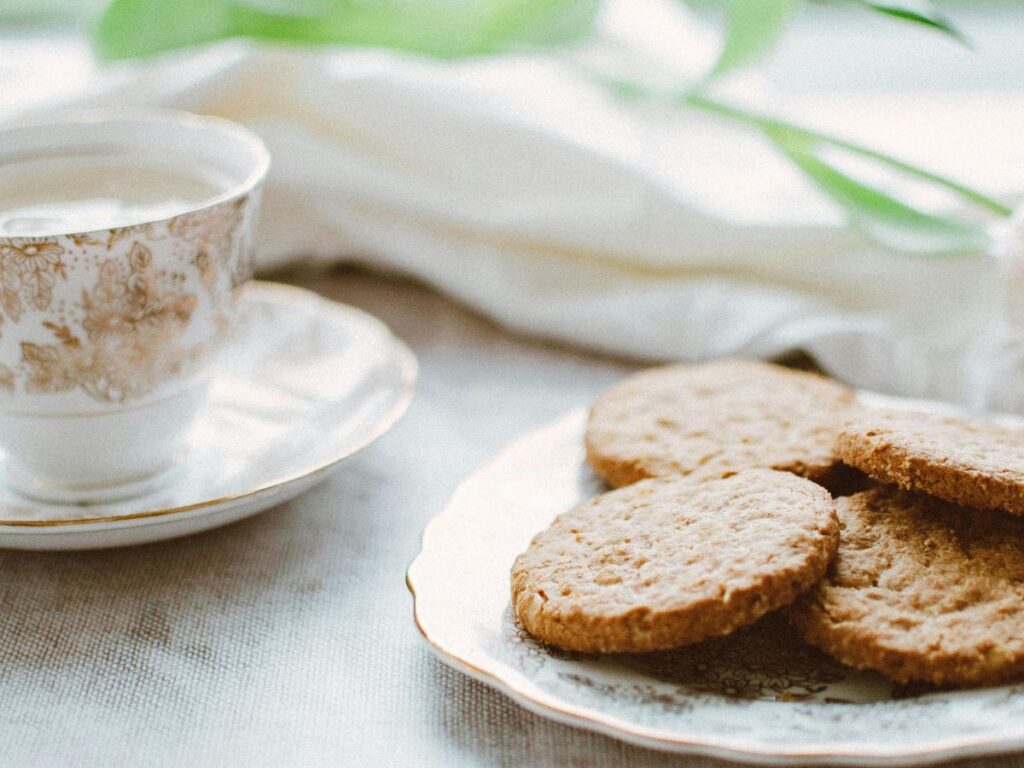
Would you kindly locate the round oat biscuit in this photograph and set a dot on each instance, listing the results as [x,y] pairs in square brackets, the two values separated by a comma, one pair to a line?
[973,463]
[672,561]
[715,419]
[921,591]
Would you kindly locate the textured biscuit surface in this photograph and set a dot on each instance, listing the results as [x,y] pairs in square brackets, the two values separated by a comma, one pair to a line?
[921,590]
[667,562]
[715,419]
[975,464]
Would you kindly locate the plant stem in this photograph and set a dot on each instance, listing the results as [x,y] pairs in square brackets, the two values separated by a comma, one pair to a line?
[770,124]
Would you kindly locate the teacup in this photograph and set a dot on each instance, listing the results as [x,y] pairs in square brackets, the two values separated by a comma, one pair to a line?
[123,241]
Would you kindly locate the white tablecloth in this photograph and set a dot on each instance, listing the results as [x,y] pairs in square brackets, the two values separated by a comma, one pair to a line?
[288,640]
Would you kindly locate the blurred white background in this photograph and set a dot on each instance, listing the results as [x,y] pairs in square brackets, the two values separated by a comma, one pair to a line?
[521,187]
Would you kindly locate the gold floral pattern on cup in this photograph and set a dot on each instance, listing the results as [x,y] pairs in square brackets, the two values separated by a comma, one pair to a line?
[110,314]
[28,271]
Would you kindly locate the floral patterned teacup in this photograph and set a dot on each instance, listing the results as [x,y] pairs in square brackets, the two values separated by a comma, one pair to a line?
[123,241]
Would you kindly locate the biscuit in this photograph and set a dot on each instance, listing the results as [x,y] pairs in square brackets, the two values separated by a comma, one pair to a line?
[972,463]
[714,420]
[921,591]
[672,561]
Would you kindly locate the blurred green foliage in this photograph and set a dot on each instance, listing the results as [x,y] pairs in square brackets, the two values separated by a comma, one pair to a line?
[752,29]
[439,28]
[877,213]
[452,29]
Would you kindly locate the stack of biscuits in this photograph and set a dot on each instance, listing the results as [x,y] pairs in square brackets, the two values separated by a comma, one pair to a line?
[891,540]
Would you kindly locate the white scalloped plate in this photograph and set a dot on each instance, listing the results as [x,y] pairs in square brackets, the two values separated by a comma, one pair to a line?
[760,696]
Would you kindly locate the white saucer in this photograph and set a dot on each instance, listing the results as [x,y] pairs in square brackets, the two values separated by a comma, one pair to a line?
[305,383]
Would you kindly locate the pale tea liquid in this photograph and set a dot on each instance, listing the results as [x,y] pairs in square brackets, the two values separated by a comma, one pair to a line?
[44,196]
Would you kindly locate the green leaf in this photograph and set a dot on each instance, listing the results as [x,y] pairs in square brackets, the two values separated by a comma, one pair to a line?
[439,28]
[812,137]
[878,214]
[753,27]
[129,28]
[44,11]
[917,12]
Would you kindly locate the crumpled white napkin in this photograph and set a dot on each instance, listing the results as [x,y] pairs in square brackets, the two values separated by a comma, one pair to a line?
[529,193]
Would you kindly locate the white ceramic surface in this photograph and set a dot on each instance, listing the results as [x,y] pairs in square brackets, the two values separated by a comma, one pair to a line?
[760,696]
[304,382]
[110,332]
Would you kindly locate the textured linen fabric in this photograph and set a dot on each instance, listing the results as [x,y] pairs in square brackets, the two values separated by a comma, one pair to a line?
[287,639]
[526,191]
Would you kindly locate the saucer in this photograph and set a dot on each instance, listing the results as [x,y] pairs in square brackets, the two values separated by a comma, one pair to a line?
[304,383]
